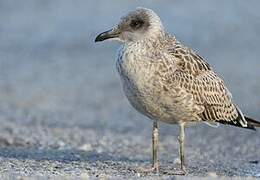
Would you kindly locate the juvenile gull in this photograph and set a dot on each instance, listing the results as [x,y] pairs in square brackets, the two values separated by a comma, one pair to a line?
[169,82]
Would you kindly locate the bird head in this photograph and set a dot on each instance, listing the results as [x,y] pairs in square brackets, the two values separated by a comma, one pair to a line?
[139,24]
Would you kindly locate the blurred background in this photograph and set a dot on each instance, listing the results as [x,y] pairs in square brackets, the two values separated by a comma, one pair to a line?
[59,88]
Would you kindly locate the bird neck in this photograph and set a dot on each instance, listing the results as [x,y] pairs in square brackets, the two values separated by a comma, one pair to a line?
[149,40]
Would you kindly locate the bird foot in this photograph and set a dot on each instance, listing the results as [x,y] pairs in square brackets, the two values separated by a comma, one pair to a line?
[175,173]
[147,170]
[155,169]
[181,172]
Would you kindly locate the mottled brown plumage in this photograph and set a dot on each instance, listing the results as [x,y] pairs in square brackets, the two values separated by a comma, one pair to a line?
[197,78]
[167,81]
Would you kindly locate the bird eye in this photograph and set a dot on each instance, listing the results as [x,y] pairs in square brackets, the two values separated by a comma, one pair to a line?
[136,24]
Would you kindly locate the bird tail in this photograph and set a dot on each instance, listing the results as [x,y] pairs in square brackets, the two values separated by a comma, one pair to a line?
[251,123]
[242,121]
[246,122]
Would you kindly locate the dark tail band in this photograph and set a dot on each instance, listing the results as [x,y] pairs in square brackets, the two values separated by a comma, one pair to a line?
[251,123]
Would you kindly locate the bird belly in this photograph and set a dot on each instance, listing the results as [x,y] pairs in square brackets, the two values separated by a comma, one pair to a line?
[148,103]
[159,105]
[143,89]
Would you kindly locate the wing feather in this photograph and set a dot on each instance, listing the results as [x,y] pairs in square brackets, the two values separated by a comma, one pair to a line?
[208,90]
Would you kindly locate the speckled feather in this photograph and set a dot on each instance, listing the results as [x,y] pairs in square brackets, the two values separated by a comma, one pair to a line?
[167,81]
[197,78]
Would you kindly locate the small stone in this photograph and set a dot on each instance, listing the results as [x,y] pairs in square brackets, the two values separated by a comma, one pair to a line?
[86,147]
[212,174]
[84,175]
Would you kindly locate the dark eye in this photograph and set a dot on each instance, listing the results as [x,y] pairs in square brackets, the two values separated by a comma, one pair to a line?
[135,24]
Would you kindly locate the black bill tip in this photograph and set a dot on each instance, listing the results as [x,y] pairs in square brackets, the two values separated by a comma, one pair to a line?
[100,37]
[106,35]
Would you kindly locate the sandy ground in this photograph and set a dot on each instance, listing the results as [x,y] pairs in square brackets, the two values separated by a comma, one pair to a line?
[62,110]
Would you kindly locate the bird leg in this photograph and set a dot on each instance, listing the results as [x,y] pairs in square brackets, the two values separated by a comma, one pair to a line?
[155,141]
[181,139]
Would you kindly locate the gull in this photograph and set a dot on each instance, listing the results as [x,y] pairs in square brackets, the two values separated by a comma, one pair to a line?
[169,82]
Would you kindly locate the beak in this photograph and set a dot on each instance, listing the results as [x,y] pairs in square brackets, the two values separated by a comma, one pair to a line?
[112,33]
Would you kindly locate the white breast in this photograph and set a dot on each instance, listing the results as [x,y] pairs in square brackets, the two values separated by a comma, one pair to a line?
[136,72]
[134,67]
